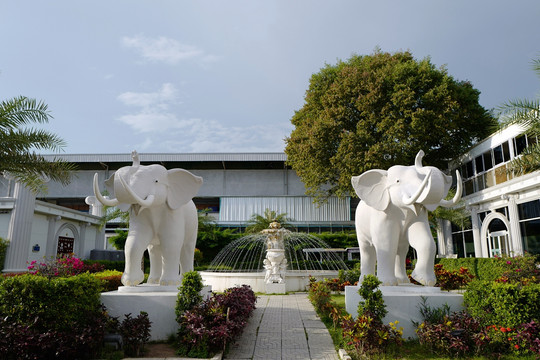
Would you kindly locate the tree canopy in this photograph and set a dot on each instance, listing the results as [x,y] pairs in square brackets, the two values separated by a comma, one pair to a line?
[18,143]
[378,110]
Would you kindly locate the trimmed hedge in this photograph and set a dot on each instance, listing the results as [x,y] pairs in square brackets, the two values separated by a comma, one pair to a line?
[503,304]
[50,318]
[489,269]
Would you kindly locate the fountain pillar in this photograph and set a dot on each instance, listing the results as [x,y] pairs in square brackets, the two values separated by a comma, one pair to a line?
[275,262]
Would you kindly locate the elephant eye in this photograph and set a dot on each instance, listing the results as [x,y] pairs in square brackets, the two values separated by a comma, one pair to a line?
[397,180]
[156,181]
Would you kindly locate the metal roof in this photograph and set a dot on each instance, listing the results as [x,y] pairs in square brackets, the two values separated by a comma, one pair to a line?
[169,157]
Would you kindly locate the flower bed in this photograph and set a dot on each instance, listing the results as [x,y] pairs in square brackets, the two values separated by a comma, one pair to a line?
[502,316]
[209,326]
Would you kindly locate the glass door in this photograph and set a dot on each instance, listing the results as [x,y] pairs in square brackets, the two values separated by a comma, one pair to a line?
[499,243]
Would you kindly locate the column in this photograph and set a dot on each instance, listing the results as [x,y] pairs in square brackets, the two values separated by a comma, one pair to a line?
[441,239]
[82,240]
[476,233]
[515,230]
[50,251]
[20,229]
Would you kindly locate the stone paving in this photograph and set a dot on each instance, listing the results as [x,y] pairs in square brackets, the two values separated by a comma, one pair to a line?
[284,327]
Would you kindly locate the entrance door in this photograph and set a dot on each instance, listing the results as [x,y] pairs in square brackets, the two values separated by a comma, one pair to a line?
[499,243]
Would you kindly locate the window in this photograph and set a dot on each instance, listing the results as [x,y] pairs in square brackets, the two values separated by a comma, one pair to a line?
[520,143]
[488,162]
[529,221]
[479,164]
[462,241]
[498,154]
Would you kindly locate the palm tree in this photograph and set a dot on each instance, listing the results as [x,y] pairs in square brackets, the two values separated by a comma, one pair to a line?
[18,143]
[258,222]
[527,114]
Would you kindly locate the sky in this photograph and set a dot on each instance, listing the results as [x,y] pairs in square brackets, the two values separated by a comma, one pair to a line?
[210,76]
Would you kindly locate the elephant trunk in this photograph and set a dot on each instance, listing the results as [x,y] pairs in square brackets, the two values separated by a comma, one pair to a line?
[457,196]
[136,198]
[411,200]
[101,198]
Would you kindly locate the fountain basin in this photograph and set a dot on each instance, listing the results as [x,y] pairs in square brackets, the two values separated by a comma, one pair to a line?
[297,280]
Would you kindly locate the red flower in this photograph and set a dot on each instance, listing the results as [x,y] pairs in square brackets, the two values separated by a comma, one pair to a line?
[516,346]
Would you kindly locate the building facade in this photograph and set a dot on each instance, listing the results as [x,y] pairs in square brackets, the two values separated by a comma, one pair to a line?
[236,186]
[504,208]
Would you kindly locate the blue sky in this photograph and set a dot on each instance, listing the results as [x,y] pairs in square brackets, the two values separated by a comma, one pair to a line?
[227,76]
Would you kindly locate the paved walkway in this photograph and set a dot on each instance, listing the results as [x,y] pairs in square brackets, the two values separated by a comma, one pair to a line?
[284,327]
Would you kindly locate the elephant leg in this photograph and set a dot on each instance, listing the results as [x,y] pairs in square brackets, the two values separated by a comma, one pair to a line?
[170,251]
[187,254]
[422,241]
[386,248]
[136,243]
[154,250]
[400,266]
[368,258]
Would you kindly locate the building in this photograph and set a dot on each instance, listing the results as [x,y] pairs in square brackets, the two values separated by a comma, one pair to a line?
[504,208]
[38,229]
[236,186]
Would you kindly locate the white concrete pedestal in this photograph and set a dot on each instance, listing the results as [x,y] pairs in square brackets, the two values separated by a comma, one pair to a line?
[272,288]
[403,301]
[158,301]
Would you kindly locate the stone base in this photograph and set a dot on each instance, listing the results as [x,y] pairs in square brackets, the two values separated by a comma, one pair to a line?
[276,288]
[158,303]
[403,301]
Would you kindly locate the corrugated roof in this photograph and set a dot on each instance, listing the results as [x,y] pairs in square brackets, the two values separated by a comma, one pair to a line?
[172,157]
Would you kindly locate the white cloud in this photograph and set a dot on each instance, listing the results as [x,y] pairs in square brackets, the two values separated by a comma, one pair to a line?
[163,49]
[167,94]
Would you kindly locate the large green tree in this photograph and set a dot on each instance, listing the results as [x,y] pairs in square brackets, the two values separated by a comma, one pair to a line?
[525,112]
[18,143]
[378,110]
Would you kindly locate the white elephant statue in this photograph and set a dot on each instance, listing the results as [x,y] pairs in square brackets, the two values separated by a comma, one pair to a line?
[393,213]
[162,219]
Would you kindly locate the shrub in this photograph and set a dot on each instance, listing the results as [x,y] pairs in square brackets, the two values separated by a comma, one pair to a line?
[503,304]
[456,334]
[135,333]
[50,318]
[189,293]
[366,336]
[319,295]
[62,266]
[111,279]
[107,264]
[3,249]
[372,303]
[490,268]
[451,280]
[211,325]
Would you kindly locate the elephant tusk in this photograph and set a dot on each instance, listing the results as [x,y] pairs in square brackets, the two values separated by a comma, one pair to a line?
[418,163]
[457,196]
[144,203]
[101,198]
[413,198]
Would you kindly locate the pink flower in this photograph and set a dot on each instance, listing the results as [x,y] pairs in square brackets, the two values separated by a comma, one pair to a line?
[509,262]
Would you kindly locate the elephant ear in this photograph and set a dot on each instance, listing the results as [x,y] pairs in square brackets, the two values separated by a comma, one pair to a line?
[183,186]
[372,188]
[109,186]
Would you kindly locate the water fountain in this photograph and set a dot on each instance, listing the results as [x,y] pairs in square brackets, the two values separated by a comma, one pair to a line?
[275,260]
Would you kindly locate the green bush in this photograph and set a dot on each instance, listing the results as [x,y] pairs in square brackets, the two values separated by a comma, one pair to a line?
[338,239]
[490,268]
[3,249]
[372,303]
[111,279]
[50,318]
[57,302]
[189,293]
[503,304]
